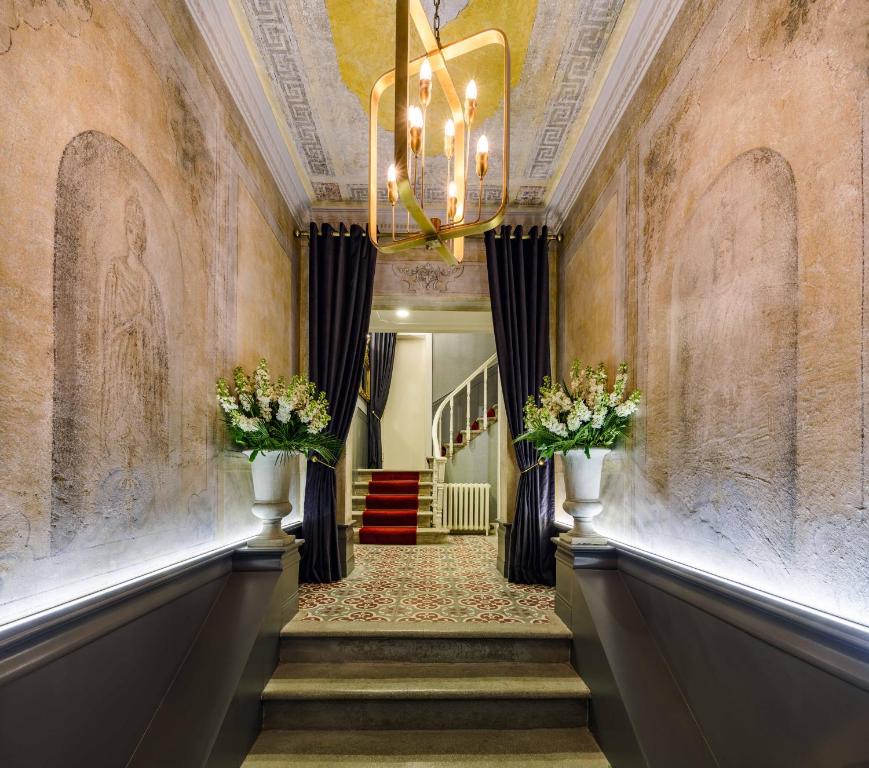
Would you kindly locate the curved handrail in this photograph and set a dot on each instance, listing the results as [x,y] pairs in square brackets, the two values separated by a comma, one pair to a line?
[437,446]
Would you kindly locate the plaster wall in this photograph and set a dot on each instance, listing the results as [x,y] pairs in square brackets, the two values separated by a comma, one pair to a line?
[454,356]
[720,246]
[478,463]
[138,222]
[406,425]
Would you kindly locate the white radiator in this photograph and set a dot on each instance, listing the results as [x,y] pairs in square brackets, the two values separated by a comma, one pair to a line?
[466,506]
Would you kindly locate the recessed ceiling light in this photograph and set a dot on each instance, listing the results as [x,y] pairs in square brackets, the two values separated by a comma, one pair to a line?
[402,313]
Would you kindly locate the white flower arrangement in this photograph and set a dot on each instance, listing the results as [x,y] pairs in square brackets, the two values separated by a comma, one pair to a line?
[290,417]
[581,413]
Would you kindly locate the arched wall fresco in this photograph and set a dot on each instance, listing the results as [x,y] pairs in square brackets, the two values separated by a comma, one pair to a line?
[117,401]
[137,216]
[743,301]
[723,356]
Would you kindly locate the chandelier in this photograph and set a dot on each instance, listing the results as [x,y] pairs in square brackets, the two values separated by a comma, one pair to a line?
[440,224]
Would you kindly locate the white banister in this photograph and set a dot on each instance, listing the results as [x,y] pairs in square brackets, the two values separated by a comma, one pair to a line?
[437,444]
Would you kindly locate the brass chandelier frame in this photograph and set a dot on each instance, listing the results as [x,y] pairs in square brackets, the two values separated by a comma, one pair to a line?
[433,233]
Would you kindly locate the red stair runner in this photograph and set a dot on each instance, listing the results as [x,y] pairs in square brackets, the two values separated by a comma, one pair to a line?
[397,476]
[391,506]
[388,487]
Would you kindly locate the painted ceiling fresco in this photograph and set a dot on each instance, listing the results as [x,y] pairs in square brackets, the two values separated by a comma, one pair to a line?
[323,56]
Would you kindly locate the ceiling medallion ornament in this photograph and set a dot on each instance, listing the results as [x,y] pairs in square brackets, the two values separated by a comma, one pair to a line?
[405,177]
[427,277]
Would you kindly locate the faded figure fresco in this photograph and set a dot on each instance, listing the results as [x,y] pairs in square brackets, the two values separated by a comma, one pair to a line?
[134,410]
[117,376]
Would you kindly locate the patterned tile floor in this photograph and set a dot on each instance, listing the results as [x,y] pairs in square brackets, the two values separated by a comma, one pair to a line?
[456,582]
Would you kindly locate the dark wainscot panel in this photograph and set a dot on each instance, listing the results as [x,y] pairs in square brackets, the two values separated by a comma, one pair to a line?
[687,670]
[165,671]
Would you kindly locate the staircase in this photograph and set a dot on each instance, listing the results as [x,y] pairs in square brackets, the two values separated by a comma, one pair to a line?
[474,426]
[390,523]
[425,696]
[468,403]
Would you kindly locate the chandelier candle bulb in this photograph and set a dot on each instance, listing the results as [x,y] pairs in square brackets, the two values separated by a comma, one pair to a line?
[425,83]
[392,184]
[414,115]
[471,101]
[452,201]
[482,156]
[449,138]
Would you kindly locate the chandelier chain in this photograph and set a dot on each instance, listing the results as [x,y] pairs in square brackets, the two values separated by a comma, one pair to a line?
[437,22]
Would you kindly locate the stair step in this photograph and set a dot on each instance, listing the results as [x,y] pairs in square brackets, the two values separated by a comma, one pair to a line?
[423,517]
[423,503]
[362,471]
[338,643]
[409,680]
[362,486]
[432,535]
[537,748]
[424,535]
[391,695]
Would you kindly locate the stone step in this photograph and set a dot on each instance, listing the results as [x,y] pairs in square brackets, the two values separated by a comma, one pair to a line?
[432,535]
[423,535]
[335,643]
[528,748]
[423,503]
[387,695]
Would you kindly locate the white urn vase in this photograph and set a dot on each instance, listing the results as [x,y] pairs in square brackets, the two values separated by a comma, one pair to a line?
[582,476]
[271,472]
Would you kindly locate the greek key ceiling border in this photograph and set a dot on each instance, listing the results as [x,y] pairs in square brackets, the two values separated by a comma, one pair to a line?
[277,44]
[576,69]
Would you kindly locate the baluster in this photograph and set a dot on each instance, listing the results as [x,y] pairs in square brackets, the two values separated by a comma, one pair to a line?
[468,412]
[452,430]
[485,398]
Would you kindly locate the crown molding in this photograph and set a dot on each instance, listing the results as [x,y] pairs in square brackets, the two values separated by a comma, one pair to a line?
[648,27]
[217,24]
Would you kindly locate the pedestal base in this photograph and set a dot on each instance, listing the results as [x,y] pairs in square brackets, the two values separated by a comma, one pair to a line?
[575,541]
[271,535]
[583,534]
[270,541]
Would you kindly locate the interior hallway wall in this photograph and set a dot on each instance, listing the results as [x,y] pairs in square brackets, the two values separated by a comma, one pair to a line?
[144,250]
[719,247]
[406,425]
[454,356]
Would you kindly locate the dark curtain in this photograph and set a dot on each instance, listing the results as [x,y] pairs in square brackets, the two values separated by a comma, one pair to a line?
[341,283]
[519,288]
[381,356]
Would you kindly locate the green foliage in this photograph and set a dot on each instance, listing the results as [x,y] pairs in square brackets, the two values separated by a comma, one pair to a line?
[289,417]
[581,413]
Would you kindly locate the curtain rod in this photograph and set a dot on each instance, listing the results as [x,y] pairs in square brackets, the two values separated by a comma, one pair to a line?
[299,233]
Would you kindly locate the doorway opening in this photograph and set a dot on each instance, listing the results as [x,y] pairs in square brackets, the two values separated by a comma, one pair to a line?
[427,523]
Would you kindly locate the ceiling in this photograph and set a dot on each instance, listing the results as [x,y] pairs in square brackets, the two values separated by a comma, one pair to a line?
[301,72]
[323,56]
